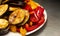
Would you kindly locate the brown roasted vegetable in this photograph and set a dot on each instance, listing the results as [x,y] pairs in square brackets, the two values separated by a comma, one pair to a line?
[4,27]
[3,9]
[17,16]
[26,17]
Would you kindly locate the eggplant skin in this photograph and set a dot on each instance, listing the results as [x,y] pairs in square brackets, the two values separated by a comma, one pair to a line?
[4,27]
[4,31]
[16,3]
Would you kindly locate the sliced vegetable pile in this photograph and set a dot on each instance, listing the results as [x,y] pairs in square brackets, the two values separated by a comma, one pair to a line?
[23,16]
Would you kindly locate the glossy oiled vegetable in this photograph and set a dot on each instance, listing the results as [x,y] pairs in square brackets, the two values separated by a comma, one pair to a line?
[13,8]
[23,16]
[36,14]
[13,28]
[4,26]
[23,31]
[28,28]
[26,17]
[17,16]
[3,23]
[3,9]
[33,4]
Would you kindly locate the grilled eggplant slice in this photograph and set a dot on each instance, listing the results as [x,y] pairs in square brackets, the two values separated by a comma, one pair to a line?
[3,23]
[17,16]
[26,17]
[4,26]
[3,9]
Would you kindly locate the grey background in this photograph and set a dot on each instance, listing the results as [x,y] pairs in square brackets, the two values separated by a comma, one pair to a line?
[52,27]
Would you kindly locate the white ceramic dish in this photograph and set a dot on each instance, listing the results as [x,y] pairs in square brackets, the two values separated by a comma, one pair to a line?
[18,34]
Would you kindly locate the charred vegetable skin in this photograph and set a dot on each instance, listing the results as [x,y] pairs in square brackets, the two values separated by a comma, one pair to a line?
[4,27]
[4,31]
[16,3]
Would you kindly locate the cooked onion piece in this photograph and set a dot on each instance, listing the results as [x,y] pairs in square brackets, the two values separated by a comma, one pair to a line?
[3,23]
[3,9]
[17,16]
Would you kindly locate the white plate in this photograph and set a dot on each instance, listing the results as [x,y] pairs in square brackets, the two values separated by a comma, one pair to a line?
[17,34]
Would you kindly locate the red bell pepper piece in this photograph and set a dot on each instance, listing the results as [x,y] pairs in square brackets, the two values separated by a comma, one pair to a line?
[30,28]
[18,29]
[38,12]
[34,18]
[28,7]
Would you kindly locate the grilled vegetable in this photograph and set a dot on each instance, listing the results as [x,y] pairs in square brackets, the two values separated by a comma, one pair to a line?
[36,14]
[30,28]
[17,16]
[3,23]
[13,28]
[26,17]
[3,26]
[13,8]
[28,7]
[23,31]
[3,9]
[33,4]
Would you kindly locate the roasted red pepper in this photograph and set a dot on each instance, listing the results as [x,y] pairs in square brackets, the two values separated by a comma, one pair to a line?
[18,29]
[34,18]
[36,14]
[28,7]
[39,11]
[30,28]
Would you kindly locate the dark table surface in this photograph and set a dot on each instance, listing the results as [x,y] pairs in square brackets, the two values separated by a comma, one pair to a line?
[52,27]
